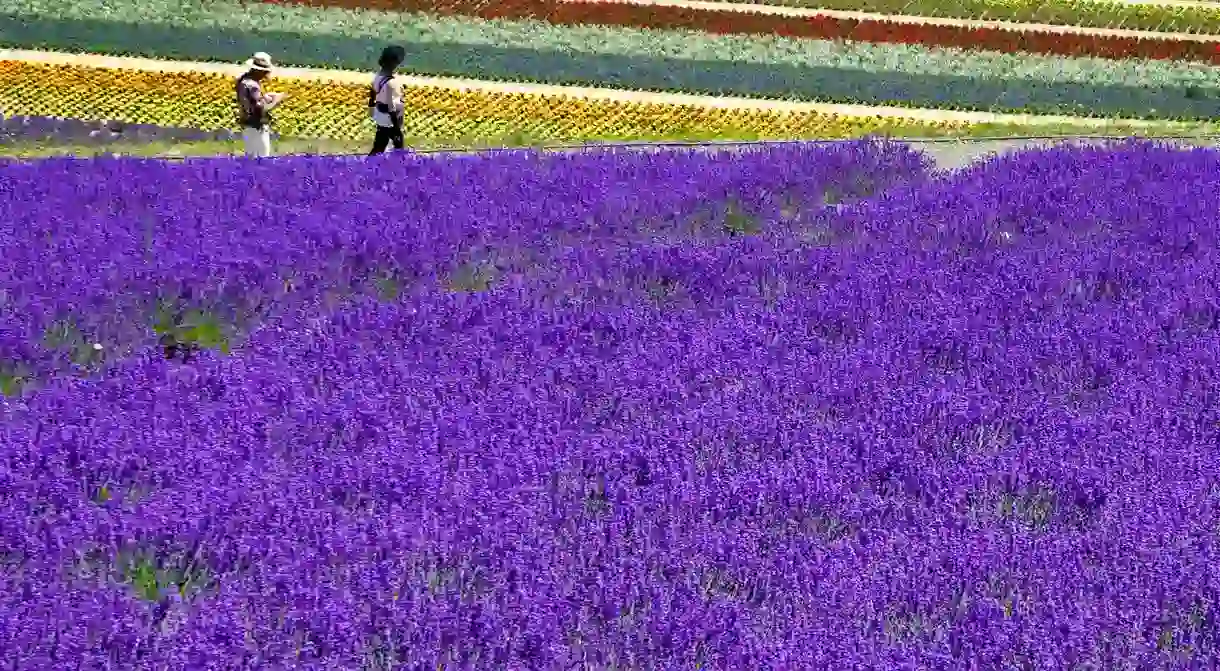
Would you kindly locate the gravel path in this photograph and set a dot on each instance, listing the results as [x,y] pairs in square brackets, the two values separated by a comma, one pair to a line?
[954,154]
[947,155]
[959,154]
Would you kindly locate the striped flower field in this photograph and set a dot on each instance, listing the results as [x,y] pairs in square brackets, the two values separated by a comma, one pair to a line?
[1095,62]
[334,109]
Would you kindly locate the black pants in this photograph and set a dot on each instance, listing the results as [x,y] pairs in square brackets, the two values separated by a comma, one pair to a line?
[384,137]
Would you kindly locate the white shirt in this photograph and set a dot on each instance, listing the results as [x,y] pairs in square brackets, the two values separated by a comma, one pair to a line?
[390,94]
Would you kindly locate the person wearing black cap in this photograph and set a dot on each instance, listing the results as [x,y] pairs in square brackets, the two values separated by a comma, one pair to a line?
[386,101]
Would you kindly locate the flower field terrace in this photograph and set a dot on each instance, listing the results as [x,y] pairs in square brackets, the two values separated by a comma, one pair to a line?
[849,415]
[335,110]
[824,59]
[1166,17]
[736,18]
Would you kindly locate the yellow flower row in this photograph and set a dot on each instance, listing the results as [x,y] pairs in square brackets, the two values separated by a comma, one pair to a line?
[326,110]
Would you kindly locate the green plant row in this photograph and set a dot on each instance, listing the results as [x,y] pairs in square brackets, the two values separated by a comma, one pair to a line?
[1162,18]
[680,61]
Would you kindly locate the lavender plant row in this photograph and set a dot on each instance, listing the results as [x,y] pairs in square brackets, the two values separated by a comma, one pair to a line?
[966,423]
[236,240]
[18,129]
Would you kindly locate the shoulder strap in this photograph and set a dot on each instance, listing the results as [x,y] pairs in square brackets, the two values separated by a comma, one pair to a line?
[385,80]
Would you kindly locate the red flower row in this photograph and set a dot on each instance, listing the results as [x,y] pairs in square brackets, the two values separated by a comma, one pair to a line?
[819,27]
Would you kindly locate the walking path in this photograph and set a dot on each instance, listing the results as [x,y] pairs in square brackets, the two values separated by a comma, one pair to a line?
[362,78]
[779,10]
[947,154]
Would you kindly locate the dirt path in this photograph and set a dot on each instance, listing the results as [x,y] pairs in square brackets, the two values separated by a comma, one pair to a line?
[779,10]
[955,155]
[362,79]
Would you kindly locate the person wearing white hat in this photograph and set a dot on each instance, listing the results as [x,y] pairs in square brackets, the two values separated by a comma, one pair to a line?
[254,106]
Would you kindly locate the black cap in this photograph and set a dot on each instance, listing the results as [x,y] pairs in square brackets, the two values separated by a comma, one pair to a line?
[392,56]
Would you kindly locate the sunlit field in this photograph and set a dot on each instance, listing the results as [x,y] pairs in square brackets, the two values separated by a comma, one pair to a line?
[790,408]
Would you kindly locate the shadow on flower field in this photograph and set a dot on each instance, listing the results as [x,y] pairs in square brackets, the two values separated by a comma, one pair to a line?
[787,408]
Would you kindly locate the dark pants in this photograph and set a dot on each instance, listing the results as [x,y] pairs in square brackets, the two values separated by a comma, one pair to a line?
[384,137]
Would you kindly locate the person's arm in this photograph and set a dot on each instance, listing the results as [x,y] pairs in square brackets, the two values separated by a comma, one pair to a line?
[271,101]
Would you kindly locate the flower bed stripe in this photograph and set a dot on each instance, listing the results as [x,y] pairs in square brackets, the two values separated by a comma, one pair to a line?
[1202,18]
[623,58]
[36,129]
[357,78]
[980,35]
[337,110]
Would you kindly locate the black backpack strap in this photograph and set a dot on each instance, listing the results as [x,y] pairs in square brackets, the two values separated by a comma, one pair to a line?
[377,89]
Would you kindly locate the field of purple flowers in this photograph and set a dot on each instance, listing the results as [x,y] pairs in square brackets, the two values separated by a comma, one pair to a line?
[799,408]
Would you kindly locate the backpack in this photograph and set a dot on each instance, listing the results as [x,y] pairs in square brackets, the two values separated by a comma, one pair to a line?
[244,117]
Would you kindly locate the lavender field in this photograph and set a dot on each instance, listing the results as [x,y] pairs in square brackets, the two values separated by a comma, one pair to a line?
[799,408]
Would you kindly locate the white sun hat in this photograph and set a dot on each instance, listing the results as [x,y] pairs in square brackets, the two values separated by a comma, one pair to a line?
[260,61]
